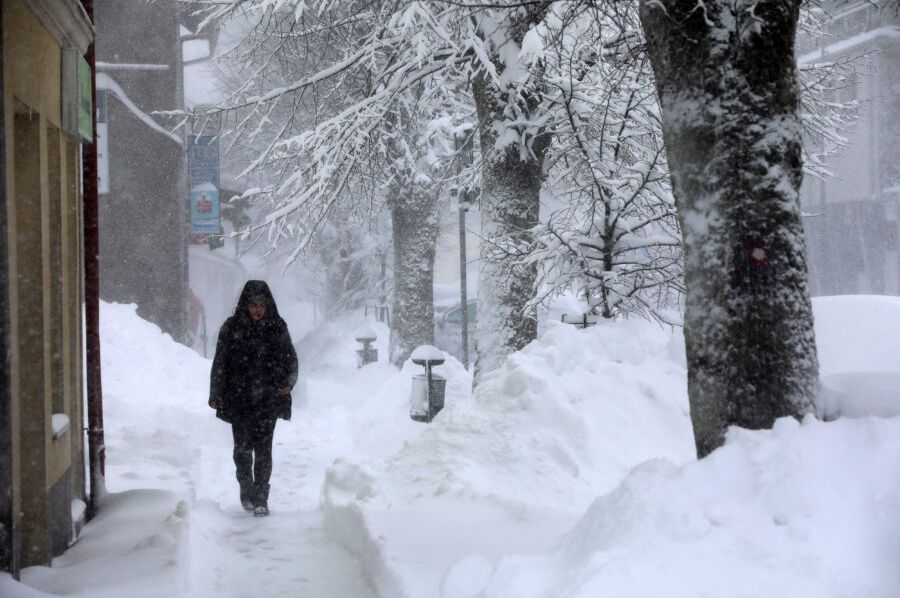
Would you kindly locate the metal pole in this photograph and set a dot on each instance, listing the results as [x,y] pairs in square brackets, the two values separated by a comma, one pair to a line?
[96,447]
[462,152]
[183,187]
[463,292]
[428,390]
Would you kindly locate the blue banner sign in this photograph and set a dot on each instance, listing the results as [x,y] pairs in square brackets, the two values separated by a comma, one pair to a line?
[205,209]
[203,166]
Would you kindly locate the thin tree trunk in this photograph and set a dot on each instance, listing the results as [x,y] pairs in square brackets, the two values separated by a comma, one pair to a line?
[415,232]
[727,84]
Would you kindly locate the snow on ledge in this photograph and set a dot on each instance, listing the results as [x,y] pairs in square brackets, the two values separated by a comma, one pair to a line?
[130,66]
[846,45]
[60,423]
[141,539]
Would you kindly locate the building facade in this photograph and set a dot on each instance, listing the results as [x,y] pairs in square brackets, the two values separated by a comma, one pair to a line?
[143,193]
[851,217]
[42,473]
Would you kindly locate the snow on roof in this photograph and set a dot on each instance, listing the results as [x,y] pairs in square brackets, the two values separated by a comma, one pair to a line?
[130,66]
[857,333]
[845,45]
[858,341]
[107,83]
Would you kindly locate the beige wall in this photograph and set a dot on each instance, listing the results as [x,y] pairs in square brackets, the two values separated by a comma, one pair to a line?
[42,170]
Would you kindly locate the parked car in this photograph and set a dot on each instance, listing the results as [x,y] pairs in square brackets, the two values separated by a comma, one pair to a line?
[448,328]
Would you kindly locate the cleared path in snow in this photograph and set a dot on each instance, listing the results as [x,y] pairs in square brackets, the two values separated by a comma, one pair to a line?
[161,434]
[289,553]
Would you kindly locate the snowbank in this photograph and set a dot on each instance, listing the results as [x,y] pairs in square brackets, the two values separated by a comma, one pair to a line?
[331,347]
[556,423]
[572,473]
[858,339]
[135,546]
[807,511]
[154,391]
[155,394]
[560,422]
[145,369]
[376,399]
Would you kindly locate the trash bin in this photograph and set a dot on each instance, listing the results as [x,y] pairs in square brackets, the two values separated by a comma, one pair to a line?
[427,401]
[427,397]
[368,353]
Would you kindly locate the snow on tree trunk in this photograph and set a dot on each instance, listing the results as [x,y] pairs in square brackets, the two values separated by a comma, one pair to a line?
[511,185]
[413,206]
[727,84]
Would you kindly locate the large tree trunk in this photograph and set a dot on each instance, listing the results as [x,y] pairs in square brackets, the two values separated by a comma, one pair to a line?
[727,84]
[413,208]
[511,186]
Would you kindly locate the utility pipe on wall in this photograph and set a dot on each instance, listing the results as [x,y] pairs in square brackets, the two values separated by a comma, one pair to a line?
[96,448]
[9,560]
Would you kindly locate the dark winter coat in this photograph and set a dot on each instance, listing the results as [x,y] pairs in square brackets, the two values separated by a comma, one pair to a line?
[253,360]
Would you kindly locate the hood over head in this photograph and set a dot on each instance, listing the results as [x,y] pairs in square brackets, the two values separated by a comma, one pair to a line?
[256,289]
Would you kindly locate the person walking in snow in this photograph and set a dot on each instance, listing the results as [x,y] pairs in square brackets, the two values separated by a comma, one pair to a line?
[253,373]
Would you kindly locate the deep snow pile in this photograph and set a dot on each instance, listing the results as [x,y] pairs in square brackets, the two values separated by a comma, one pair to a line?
[510,469]
[155,394]
[376,419]
[138,544]
[571,474]
[561,420]
[807,511]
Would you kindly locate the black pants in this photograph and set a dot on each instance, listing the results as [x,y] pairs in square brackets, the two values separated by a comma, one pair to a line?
[253,458]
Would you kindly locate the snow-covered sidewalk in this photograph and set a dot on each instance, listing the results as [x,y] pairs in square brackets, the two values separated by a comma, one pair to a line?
[287,554]
[173,525]
[569,473]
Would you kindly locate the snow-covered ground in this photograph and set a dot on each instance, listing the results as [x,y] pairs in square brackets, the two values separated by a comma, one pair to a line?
[570,473]
[173,525]
[859,355]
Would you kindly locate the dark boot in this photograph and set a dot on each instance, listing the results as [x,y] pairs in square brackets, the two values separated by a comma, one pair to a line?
[260,496]
[246,499]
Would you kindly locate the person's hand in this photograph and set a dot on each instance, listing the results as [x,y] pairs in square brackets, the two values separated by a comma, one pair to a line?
[285,390]
[215,404]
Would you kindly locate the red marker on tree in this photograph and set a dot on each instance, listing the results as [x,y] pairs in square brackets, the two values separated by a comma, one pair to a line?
[758,253]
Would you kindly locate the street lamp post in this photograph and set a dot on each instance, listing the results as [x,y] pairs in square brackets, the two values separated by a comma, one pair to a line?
[463,143]
[463,292]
